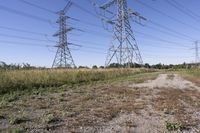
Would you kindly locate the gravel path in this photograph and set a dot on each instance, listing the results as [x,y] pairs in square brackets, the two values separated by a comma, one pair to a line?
[167,81]
[150,120]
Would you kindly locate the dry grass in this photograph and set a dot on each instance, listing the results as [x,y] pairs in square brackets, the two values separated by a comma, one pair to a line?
[170,76]
[86,105]
[96,104]
[192,75]
[181,104]
[33,79]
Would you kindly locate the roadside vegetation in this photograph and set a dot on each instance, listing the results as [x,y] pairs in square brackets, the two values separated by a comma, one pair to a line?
[77,100]
[192,75]
[16,80]
[46,109]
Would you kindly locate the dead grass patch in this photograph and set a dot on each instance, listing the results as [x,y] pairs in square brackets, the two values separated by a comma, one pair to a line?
[82,105]
[178,102]
[105,105]
[170,76]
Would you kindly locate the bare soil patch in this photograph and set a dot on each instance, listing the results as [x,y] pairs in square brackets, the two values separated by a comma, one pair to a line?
[168,81]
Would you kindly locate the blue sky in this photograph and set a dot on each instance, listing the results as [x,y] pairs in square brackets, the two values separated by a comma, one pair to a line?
[156,46]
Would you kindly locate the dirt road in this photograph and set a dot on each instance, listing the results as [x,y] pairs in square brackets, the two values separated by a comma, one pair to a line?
[154,117]
[168,81]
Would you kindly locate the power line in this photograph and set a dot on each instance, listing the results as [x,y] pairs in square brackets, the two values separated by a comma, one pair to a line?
[86,47]
[53,12]
[166,28]
[83,9]
[156,24]
[166,47]
[40,45]
[160,39]
[91,51]
[93,32]
[87,23]
[171,30]
[149,44]
[145,55]
[21,43]
[23,14]
[33,44]
[165,32]
[87,42]
[188,10]
[156,56]
[103,35]
[25,38]
[88,12]
[165,14]
[21,30]
[181,10]
[37,6]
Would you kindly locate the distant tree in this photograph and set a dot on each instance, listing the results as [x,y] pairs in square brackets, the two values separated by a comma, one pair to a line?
[2,64]
[171,66]
[115,65]
[146,65]
[94,67]
[184,65]
[136,65]
[80,67]
[102,67]
[157,66]
[27,66]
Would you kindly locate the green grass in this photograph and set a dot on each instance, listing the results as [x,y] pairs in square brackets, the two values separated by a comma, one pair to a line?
[17,120]
[22,106]
[49,118]
[193,72]
[137,76]
[192,75]
[16,130]
[174,126]
[18,80]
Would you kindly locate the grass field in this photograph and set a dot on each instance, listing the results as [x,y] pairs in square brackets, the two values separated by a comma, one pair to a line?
[16,83]
[87,100]
[192,75]
[33,79]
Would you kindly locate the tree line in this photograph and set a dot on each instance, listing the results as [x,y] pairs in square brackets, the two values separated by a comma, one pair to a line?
[5,66]
[155,66]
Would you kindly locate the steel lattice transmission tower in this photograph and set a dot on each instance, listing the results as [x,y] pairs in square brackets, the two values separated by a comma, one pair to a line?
[124,48]
[196,52]
[63,56]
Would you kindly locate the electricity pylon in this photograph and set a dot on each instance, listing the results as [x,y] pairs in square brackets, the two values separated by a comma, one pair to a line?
[63,56]
[196,52]
[124,48]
